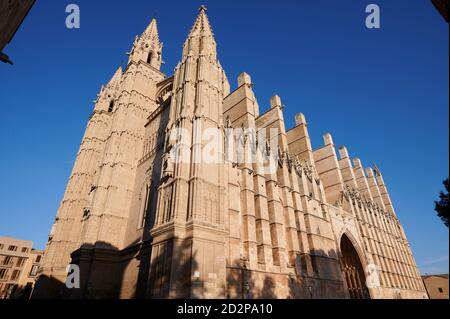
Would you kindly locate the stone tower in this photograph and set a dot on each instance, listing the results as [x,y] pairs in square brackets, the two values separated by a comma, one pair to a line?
[192,198]
[93,214]
[183,189]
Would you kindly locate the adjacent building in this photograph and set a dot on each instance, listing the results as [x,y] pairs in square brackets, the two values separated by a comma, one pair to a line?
[177,193]
[19,264]
[436,285]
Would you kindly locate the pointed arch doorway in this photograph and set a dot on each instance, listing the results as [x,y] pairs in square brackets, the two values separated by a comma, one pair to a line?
[353,270]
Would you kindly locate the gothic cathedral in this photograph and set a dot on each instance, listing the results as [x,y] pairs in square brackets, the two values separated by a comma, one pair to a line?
[292,222]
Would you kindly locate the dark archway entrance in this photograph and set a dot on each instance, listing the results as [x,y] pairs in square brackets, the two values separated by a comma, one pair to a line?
[353,271]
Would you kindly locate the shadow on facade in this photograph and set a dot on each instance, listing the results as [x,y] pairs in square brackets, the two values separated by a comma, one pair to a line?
[243,283]
[48,288]
[172,271]
[103,270]
[164,271]
[100,271]
[18,292]
[324,280]
[159,272]
[107,273]
[100,275]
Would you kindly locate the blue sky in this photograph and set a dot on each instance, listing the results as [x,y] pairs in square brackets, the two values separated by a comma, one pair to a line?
[382,93]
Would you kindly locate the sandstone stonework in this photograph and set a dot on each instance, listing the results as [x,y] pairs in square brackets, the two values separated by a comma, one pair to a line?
[142,226]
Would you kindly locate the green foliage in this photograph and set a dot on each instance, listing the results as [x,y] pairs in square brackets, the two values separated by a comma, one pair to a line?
[442,206]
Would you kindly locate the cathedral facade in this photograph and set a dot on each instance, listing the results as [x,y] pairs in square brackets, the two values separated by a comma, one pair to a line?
[182,189]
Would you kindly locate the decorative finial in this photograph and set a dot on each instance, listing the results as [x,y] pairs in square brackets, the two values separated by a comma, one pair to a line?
[202,8]
[376,170]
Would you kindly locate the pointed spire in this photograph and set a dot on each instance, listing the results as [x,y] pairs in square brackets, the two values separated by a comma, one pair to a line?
[105,98]
[201,37]
[151,32]
[201,25]
[200,80]
[115,80]
[148,47]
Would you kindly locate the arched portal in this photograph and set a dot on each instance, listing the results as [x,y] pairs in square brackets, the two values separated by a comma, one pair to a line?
[353,271]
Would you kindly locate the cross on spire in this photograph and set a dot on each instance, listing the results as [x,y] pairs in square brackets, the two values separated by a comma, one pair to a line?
[201,37]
